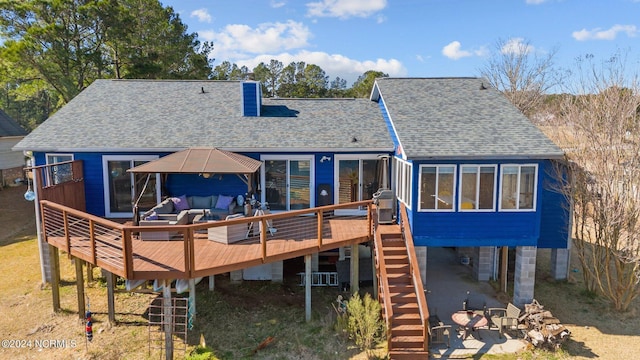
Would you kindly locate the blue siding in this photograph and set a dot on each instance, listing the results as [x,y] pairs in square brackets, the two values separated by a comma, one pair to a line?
[554,223]
[324,175]
[491,228]
[251,99]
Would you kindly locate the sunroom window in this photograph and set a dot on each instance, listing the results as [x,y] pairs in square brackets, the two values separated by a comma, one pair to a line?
[403,171]
[518,191]
[477,187]
[437,187]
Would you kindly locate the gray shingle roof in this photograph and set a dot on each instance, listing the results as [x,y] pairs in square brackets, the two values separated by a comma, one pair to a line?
[454,118]
[114,115]
[9,127]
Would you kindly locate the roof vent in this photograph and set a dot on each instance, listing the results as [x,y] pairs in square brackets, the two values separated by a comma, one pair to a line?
[354,139]
[482,87]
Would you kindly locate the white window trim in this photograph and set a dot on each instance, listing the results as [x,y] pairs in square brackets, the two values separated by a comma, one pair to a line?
[47,158]
[312,174]
[105,181]
[453,195]
[535,188]
[495,184]
[403,179]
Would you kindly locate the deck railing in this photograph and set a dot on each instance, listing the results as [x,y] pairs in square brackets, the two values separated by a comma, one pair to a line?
[186,252]
[384,296]
[414,269]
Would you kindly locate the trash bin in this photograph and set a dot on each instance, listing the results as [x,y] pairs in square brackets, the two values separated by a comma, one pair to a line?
[384,201]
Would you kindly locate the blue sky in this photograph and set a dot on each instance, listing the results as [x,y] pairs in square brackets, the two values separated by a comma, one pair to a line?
[416,38]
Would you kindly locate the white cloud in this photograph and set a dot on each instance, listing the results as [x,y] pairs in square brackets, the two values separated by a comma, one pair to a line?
[536,2]
[609,34]
[202,15]
[333,64]
[344,9]
[237,40]
[453,51]
[517,46]
[277,4]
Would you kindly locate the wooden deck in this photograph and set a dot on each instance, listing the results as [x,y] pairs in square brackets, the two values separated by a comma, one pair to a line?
[189,253]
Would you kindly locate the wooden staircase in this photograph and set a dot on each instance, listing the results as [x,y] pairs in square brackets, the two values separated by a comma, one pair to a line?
[401,294]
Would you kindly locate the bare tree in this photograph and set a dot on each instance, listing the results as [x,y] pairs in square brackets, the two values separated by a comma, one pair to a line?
[523,74]
[599,130]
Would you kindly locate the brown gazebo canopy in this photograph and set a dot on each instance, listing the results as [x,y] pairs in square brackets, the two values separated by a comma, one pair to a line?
[201,161]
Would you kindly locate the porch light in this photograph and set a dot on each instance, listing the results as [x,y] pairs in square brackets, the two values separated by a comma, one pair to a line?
[205,175]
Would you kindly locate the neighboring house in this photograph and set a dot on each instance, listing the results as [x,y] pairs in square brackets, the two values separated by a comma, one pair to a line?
[471,169]
[11,162]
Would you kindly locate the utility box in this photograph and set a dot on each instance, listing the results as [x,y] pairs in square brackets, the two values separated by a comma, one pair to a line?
[384,201]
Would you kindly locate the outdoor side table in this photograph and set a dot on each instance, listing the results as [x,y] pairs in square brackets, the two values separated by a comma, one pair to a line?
[469,321]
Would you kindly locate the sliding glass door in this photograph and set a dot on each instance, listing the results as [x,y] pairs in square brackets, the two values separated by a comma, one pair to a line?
[122,189]
[287,182]
[357,178]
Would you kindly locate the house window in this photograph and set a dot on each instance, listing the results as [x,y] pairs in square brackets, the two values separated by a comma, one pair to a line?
[518,191]
[58,174]
[477,187]
[403,172]
[437,187]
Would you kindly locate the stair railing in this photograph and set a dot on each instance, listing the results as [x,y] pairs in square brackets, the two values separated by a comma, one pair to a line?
[414,269]
[384,297]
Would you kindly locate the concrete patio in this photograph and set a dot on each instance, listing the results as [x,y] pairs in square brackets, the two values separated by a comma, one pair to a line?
[447,284]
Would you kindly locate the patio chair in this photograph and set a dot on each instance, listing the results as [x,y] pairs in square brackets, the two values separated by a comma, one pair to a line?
[508,318]
[437,334]
[475,303]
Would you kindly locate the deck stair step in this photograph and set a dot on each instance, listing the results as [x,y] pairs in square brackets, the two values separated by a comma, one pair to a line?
[407,319]
[408,354]
[403,298]
[397,268]
[402,289]
[403,308]
[396,259]
[407,330]
[399,278]
[407,342]
[392,252]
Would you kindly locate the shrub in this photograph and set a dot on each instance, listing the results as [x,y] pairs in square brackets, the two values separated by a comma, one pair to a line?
[362,321]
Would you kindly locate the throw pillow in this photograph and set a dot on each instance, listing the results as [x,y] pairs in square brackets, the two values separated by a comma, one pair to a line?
[180,203]
[152,216]
[165,207]
[224,202]
[200,202]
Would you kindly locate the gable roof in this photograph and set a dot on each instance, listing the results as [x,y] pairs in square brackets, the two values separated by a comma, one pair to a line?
[9,127]
[458,118]
[171,115]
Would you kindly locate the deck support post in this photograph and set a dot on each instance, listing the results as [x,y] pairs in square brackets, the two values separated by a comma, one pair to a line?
[80,287]
[504,261]
[307,288]
[192,298]
[355,266]
[89,272]
[111,284]
[212,282]
[168,319]
[54,270]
